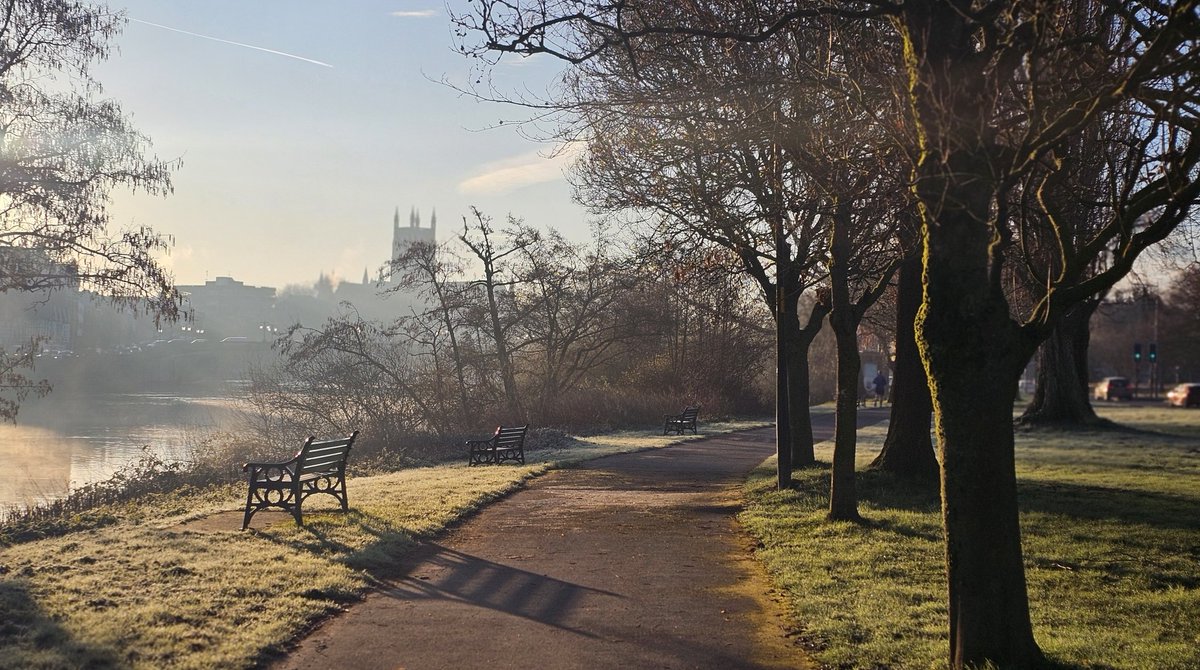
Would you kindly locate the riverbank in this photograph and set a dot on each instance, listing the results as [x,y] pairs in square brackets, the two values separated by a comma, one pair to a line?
[158,584]
[69,440]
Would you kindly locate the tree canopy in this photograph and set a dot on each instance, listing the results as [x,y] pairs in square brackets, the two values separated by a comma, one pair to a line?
[63,149]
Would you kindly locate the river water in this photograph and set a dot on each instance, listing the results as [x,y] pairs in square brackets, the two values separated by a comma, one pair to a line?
[67,440]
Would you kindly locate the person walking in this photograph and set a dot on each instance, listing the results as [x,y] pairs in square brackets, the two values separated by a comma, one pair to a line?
[880,383]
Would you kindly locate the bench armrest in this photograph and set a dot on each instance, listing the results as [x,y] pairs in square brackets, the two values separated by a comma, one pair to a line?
[287,465]
[472,443]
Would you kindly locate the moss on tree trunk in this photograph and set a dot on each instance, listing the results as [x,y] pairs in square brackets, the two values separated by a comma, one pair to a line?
[974,354]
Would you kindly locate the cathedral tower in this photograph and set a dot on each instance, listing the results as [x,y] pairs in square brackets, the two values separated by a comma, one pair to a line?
[402,237]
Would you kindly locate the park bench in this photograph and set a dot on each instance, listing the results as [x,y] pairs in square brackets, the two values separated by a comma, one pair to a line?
[677,423]
[506,444]
[319,467]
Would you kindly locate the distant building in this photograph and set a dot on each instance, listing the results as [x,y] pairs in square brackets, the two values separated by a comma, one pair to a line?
[402,238]
[221,307]
[53,315]
[42,300]
[227,307]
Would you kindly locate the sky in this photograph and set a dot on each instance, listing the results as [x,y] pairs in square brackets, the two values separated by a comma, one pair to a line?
[302,125]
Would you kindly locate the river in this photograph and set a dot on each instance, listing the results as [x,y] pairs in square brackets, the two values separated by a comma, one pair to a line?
[67,440]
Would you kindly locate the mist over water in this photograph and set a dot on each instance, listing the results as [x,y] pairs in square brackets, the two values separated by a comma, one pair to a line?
[66,440]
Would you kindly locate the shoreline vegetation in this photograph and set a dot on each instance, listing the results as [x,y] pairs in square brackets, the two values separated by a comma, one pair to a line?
[167,579]
[1110,525]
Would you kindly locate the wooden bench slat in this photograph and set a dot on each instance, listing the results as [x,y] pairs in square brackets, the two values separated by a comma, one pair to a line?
[322,453]
[327,456]
[330,466]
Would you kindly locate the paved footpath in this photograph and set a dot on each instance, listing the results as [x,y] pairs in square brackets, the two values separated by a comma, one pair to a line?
[629,561]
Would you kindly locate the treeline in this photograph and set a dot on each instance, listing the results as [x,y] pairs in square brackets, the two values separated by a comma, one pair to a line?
[519,325]
[1007,161]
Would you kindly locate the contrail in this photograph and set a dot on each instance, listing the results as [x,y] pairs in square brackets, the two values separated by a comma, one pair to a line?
[238,44]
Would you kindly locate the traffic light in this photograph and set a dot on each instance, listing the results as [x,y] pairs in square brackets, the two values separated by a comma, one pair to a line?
[1137,352]
[1152,352]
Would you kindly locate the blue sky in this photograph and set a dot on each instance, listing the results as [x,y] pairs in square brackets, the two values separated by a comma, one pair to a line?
[291,168]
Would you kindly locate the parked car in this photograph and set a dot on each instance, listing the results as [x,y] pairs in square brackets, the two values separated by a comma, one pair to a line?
[1184,395]
[1113,388]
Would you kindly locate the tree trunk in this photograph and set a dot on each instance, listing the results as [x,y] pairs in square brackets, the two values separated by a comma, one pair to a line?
[803,455]
[975,354]
[785,308]
[784,428]
[1061,397]
[503,358]
[843,495]
[798,340]
[459,365]
[908,449]
[972,350]
[988,601]
[792,341]
[844,319]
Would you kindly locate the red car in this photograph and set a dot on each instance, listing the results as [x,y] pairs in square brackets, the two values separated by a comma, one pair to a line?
[1184,395]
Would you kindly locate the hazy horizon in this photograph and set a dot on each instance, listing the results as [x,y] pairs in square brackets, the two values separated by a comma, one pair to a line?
[301,128]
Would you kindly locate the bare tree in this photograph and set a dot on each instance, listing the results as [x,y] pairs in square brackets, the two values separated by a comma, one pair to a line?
[496,251]
[348,373]
[993,92]
[708,333]
[431,271]
[573,306]
[985,118]
[861,200]
[692,138]
[62,151]
[862,261]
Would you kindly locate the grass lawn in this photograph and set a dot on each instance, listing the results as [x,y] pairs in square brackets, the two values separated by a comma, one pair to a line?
[1111,534]
[154,587]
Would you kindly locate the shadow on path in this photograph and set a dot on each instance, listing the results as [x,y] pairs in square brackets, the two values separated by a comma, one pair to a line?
[447,574]
[629,561]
